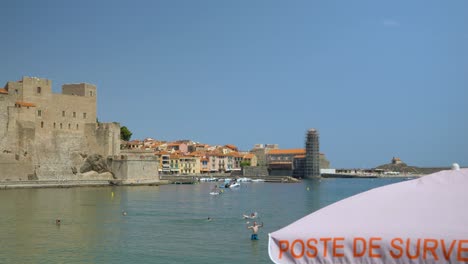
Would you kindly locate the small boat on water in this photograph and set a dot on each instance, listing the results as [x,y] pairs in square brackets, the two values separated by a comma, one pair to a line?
[233,185]
[208,179]
[244,179]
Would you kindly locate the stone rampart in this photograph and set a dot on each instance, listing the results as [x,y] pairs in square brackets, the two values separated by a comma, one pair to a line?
[255,171]
[135,168]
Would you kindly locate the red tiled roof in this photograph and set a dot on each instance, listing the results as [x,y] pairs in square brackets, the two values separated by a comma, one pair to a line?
[230,146]
[3,91]
[249,156]
[25,104]
[287,152]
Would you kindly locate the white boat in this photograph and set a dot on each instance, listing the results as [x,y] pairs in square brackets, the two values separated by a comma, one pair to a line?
[208,179]
[236,184]
[258,180]
[244,179]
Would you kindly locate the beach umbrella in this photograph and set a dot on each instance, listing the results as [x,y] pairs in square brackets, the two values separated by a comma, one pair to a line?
[424,220]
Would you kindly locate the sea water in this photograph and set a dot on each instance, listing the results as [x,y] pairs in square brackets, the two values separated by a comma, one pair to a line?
[163,224]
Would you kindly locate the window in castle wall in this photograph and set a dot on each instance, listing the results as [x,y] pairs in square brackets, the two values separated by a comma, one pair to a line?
[42,124]
[74,114]
[54,124]
[77,126]
[91,93]
[60,125]
[63,113]
[84,115]
[39,89]
[69,126]
[39,112]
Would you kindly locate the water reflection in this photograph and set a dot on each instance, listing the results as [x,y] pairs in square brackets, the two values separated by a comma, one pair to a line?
[313,191]
[88,216]
[166,223]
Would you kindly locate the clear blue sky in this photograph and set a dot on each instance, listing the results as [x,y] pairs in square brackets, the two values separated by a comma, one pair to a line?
[377,78]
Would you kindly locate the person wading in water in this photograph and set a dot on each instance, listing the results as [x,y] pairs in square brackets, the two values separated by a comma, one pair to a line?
[254,228]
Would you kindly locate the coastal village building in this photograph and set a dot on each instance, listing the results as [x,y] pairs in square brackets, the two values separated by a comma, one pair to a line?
[260,151]
[164,159]
[281,161]
[185,157]
[182,147]
[175,165]
[300,163]
[189,164]
[205,168]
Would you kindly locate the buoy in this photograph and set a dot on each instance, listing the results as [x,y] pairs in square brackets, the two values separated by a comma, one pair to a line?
[455,166]
[308,188]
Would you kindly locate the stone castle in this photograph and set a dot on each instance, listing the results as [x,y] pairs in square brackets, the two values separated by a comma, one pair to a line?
[49,136]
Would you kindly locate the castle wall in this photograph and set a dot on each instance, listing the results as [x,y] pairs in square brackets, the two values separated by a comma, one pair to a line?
[5,102]
[33,88]
[135,168]
[81,89]
[65,112]
[48,136]
[13,170]
[103,138]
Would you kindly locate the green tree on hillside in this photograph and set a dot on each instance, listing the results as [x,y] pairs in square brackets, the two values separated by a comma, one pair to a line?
[125,133]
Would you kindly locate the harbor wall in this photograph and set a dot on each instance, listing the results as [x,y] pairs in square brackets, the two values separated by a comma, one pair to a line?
[255,171]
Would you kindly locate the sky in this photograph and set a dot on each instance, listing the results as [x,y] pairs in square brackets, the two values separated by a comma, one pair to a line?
[378,79]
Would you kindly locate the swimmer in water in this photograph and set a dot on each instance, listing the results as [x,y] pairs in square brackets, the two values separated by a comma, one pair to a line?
[124,213]
[209,219]
[58,221]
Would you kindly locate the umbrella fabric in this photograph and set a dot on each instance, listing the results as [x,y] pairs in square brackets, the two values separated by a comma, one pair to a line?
[417,221]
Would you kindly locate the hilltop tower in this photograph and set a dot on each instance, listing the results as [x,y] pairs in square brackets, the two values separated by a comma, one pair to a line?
[312,162]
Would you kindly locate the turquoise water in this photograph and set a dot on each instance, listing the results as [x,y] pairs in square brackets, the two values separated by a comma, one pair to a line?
[164,224]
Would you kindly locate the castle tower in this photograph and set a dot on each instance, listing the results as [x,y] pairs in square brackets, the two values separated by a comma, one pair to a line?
[312,163]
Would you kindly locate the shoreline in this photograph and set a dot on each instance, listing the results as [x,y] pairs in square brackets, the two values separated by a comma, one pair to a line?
[74,184]
[4,185]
